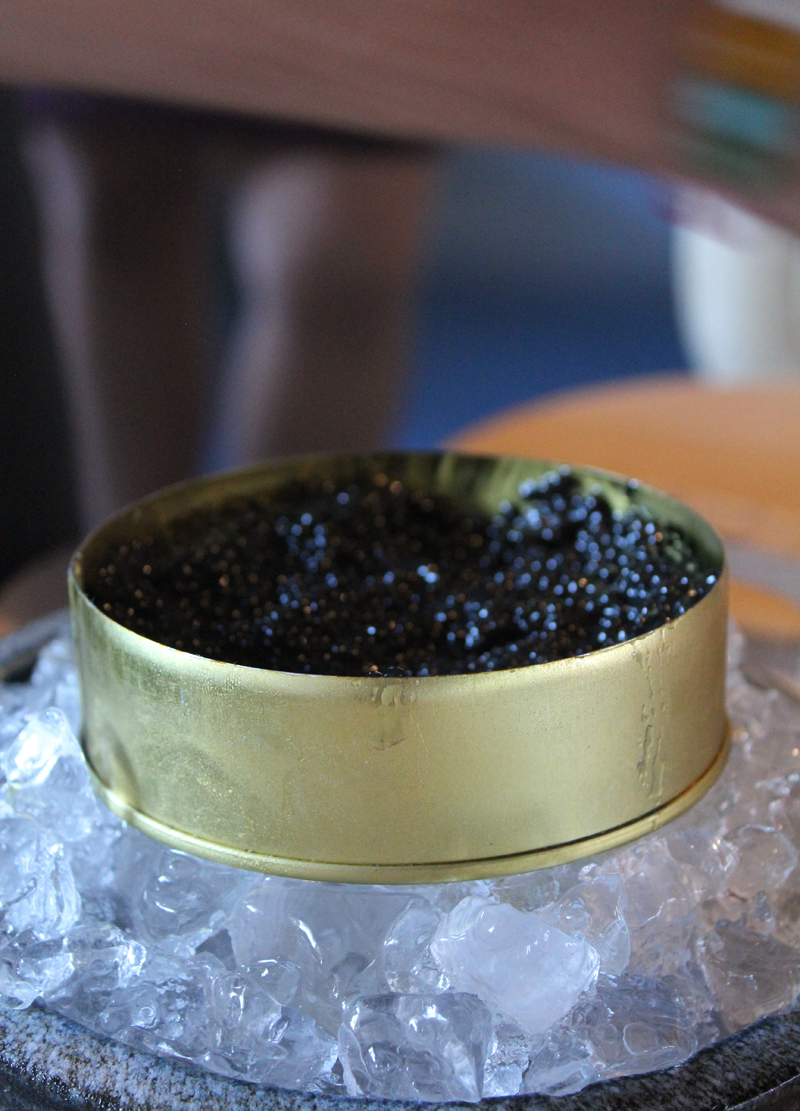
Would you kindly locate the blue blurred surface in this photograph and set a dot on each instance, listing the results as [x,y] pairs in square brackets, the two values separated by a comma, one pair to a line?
[542,274]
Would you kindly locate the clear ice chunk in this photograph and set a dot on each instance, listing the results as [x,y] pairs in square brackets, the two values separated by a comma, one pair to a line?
[517,963]
[29,970]
[708,858]
[173,898]
[509,1057]
[594,910]
[161,1008]
[637,1025]
[750,975]
[47,777]
[90,962]
[766,860]
[333,933]
[659,888]
[55,674]
[427,1047]
[561,1063]
[261,1039]
[279,978]
[409,965]
[37,887]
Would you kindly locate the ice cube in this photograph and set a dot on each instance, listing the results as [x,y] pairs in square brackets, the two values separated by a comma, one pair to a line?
[102,959]
[37,887]
[47,777]
[635,1024]
[161,1007]
[332,933]
[55,673]
[561,1063]
[594,910]
[428,1047]
[656,885]
[508,1060]
[750,975]
[31,969]
[766,860]
[263,1040]
[408,963]
[517,963]
[173,898]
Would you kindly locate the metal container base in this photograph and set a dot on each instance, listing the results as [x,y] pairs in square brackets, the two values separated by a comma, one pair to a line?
[444,872]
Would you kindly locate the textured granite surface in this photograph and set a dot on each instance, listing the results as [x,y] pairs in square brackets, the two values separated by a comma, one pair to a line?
[49,1064]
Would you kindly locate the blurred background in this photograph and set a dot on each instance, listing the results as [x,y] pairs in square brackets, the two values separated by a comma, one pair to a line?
[533,274]
[183,290]
[538,274]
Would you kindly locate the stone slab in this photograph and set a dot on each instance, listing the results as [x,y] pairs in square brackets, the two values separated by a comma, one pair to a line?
[49,1064]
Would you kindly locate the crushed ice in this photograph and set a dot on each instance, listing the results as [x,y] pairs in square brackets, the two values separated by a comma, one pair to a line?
[539,983]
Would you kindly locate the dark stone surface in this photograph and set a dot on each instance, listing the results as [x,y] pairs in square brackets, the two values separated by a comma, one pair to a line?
[49,1064]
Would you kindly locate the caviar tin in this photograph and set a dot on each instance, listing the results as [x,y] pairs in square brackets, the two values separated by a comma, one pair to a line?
[401,780]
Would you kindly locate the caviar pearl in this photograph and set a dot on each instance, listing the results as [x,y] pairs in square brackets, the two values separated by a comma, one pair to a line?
[379,579]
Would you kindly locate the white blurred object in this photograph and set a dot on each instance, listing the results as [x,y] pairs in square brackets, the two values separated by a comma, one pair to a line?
[737,291]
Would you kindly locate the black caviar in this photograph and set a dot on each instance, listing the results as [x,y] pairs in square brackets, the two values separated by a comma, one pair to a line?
[374,578]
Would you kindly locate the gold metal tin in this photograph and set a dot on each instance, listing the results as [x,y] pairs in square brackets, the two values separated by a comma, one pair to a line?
[401,780]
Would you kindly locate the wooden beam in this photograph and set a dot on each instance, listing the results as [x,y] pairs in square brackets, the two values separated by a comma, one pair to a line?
[590,77]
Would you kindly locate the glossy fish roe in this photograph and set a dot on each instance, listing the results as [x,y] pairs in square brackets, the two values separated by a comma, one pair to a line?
[376,578]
